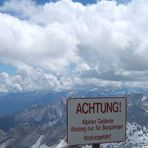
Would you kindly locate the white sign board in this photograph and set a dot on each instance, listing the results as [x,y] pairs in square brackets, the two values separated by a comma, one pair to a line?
[96,120]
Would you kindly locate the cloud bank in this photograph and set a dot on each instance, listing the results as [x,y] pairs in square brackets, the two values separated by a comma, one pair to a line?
[66,44]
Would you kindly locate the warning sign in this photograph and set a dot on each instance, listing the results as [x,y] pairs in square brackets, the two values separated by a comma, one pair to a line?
[96,120]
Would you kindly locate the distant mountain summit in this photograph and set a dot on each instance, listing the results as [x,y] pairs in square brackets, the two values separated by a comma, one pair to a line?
[47,123]
[13,102]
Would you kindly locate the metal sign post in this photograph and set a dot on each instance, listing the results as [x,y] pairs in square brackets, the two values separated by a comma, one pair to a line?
[96,146]
[74,146]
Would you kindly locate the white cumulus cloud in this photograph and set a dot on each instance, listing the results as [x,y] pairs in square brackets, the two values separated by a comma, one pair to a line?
[65,44]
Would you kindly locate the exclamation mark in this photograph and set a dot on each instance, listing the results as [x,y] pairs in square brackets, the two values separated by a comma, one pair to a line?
[119,106]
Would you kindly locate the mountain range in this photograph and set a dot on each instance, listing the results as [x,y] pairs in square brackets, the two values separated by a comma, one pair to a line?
[40,120]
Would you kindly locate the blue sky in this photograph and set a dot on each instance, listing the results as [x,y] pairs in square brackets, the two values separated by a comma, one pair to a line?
[1,2]
[45,1]
[81,1]
[7,68]
[84,2]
